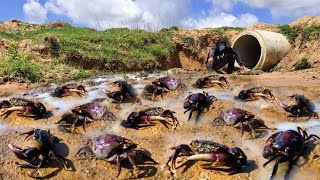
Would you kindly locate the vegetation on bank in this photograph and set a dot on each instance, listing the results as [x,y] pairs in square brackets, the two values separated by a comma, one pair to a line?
[84,49]
[308,33]
[120,46]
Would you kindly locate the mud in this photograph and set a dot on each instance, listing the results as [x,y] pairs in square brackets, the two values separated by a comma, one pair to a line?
[160,138]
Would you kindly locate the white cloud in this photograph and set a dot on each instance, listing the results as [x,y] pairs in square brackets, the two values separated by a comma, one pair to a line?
[34,12]
[222,5]
[144,14]
[285,8]
[222,19]
[219,15]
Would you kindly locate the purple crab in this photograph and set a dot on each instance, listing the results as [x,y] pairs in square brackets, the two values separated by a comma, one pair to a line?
[126,91]
[301,106]
[114,148]
[163,85]
[27,107]
[68,89]
[212,80]
[237,117]
[255,93]
[215,153]
[285,146]
[90,112]
[197,102]
[143,117]
[36,156]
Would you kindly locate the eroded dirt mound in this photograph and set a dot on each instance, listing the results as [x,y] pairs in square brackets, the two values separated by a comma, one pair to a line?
[192,46]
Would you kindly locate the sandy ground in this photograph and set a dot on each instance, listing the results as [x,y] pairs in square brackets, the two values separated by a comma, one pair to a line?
[159,139]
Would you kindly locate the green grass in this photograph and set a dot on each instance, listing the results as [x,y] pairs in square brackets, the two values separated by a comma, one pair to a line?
[114,45]
[17,65]
[290,33]
[311,32]
[302,64]
[221,30]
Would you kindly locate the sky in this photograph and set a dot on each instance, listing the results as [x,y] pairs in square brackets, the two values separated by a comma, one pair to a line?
[158,14]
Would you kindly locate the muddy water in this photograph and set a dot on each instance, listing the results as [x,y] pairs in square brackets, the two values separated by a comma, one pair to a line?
[159,139]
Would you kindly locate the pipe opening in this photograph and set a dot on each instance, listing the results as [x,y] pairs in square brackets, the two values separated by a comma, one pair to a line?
[249,50]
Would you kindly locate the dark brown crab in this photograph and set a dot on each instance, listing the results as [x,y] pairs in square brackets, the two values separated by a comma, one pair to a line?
[143,117]
[27,107]
[215,153]
[197,102]
[126,91]
[68,89]
[301,106]
[255,93]
[237,117]
[89,112]
[114,148]
[162,85]
[212,80]
[285,146]
[35,156]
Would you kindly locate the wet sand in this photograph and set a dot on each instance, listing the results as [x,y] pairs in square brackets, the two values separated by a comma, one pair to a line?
[159,139]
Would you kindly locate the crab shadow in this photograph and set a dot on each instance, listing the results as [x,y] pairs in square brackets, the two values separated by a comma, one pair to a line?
[146,169]
[63,150]
[47,115]
[125,124]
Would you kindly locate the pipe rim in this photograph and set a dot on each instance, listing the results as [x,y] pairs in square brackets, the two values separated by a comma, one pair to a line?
[258,37]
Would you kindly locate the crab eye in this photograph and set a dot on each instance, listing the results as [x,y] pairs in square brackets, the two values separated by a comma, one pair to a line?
[267,152]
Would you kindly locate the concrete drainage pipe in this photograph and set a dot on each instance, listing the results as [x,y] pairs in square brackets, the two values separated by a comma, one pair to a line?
[261,50]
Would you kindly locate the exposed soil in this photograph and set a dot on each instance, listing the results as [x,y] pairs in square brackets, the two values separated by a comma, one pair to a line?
[159,139]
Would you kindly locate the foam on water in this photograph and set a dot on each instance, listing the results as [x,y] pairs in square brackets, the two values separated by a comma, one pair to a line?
[294,125]
[62,105]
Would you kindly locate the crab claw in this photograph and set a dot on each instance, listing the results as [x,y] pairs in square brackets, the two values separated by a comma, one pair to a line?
[170,113]
[24,153]
[114,83]
[181,148]
[29,134]
[203,157]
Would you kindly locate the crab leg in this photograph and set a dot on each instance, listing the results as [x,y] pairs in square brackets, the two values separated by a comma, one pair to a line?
[252,129]
[59,159]
[37,168]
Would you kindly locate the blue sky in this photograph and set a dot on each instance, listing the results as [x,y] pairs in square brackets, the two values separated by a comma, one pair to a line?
[158,13]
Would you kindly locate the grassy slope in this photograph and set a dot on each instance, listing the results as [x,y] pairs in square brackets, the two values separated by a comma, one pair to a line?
[113,49]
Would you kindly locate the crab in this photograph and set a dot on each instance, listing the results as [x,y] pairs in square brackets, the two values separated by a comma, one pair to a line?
[164,84]
[67,89]
[212,80]
[300,107]
[27,107]
[215,153]
[126,91]
[89,111]
[114,148]
[35,156]
[255,93]
[197,102]
[237,117]
[285,146]
[142,117]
